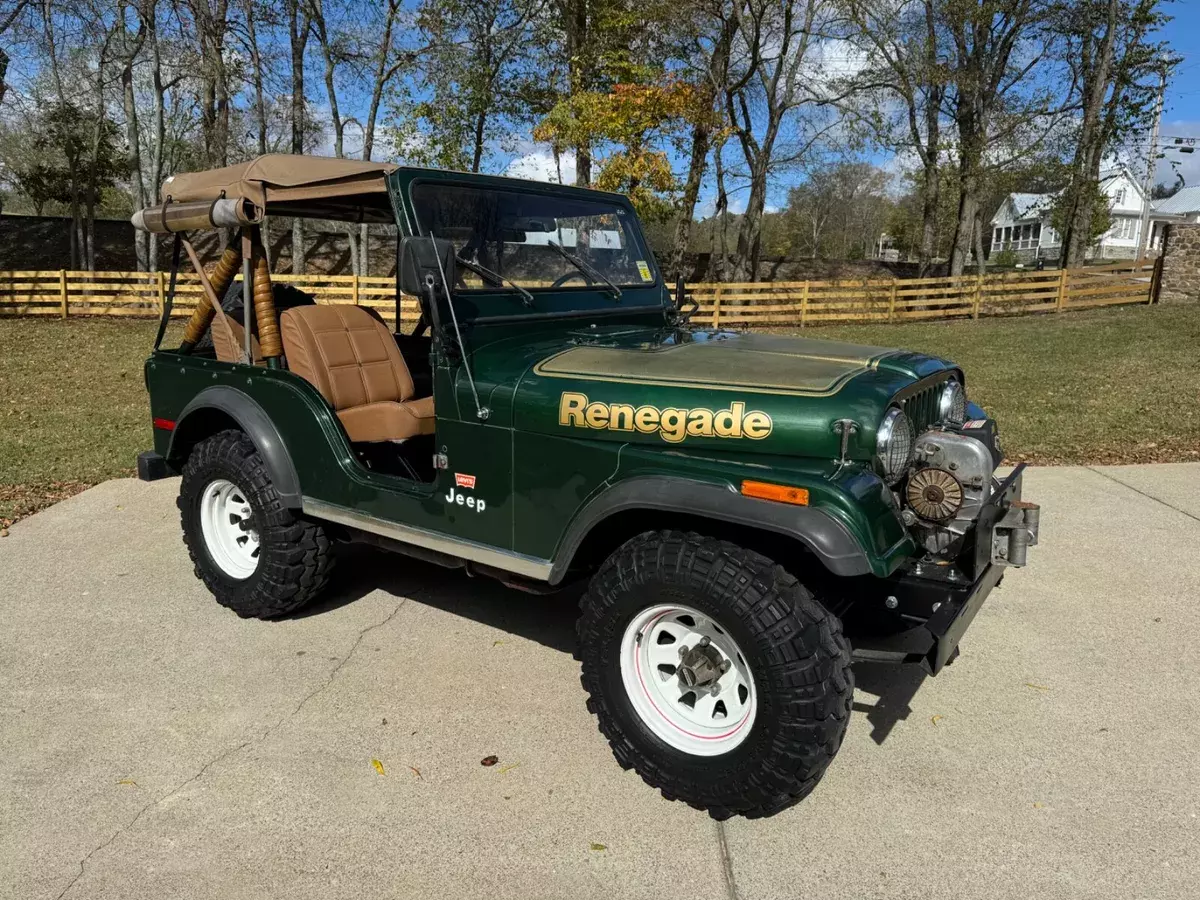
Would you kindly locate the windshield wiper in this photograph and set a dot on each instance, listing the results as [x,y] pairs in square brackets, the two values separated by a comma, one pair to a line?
[583,267]
[496,278]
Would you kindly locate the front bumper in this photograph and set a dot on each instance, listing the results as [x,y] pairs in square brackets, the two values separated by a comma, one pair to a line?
[942,604]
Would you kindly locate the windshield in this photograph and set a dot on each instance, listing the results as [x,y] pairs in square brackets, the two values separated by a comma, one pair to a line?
[512,232]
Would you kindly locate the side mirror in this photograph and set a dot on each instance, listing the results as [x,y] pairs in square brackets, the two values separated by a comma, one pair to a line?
[419,258]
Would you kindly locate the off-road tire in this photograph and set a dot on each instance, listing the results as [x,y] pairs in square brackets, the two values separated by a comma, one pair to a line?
[296,556]
[795,648]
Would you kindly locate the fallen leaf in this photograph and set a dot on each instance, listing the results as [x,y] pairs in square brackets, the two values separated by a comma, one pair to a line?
[489,760]
[935,719]
[1036,687]
[497,643]
[1038,804]
[509,768]
[385,721]
[3,532]
[378,766]
[599,847]
[416,772]
[128,781]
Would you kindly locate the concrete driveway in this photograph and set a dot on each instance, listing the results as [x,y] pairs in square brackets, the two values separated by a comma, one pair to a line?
[154,745]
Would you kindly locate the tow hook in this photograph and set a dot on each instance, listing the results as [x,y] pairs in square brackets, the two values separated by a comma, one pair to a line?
[1015,533]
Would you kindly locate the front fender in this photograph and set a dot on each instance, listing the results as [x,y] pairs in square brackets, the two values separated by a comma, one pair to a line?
[820,532]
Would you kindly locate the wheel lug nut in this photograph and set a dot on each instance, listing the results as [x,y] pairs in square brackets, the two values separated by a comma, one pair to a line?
[704,641]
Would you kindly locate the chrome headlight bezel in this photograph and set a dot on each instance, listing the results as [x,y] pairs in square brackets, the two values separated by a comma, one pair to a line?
[952,403]
[895,444]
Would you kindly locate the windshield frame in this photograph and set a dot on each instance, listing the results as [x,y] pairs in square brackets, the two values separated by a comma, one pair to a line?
[485,183]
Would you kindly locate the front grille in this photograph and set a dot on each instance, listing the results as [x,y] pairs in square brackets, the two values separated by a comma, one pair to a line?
[922,407]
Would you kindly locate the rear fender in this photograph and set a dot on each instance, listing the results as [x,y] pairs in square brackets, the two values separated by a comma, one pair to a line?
[197,421]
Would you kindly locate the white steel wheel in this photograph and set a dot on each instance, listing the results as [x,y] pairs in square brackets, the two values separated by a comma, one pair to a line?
[225,517]
[687,680]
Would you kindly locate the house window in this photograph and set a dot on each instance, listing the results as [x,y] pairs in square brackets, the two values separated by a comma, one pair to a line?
[1007,235]
[1123,229]
[998,239]
[1119,197]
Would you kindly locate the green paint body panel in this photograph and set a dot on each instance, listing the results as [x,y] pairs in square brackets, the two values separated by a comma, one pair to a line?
[536,473]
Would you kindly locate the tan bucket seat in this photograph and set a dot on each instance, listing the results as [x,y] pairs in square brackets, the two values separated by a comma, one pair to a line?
[352,359]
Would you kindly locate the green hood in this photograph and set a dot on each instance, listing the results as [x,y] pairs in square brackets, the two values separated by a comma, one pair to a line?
[736,392]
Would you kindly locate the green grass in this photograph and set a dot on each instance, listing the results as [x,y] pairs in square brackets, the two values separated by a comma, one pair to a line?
[74,408]
[1115,385]
[1104,386]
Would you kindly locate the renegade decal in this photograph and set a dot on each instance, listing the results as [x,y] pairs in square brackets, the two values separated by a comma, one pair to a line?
[672,424]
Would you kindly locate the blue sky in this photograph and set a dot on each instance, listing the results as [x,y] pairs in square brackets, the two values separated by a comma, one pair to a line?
[1181,113]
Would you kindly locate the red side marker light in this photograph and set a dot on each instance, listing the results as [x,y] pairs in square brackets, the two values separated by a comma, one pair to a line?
[165,424]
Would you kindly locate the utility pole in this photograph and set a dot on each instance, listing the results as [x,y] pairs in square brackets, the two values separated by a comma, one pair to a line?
[1151,164]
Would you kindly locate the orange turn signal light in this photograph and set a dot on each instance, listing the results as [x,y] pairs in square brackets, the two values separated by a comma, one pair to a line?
[764,490]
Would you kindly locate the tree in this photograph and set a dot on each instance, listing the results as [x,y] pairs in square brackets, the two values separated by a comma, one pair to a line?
[299,28]
[770,83]
[466,92]
[1162,191]
[211,21]
[1117,69]
[907,67]
[997,48]
[838,212]
[625,125]
[705,44]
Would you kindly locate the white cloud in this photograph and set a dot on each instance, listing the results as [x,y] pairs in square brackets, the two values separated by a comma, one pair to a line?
[540,165]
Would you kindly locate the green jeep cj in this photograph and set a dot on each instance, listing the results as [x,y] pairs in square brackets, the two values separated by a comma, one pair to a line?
[749,512]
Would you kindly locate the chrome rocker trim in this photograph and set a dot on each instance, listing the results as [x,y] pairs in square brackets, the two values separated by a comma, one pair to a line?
[517,563]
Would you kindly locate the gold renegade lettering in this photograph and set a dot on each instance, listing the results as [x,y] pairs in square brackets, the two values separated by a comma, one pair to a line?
[671,423]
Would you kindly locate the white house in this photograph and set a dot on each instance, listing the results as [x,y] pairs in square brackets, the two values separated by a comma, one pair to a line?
[1022,223]
[1182,206]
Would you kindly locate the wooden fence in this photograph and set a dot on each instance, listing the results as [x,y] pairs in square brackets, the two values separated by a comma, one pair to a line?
[803,303]
[761,304]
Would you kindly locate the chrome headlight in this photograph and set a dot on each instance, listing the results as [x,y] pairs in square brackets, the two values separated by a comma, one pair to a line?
[952,405]
[894,444]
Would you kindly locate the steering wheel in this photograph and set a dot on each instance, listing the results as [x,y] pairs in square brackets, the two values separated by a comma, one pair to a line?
[563,279]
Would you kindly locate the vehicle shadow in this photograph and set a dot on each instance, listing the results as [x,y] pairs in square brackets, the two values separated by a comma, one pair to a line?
[895,686]
[550,619]
[361,569]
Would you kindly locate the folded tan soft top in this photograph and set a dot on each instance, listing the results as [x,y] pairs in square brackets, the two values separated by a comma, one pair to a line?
[281,178]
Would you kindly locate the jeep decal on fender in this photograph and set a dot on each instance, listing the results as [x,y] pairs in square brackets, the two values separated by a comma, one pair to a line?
[672,423]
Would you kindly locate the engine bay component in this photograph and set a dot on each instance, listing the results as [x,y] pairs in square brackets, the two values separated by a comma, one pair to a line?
[934,494]
[939,458]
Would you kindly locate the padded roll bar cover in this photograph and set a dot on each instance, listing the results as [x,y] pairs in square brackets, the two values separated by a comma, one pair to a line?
[222,277]
[264,307]
[257,425]
[828,539]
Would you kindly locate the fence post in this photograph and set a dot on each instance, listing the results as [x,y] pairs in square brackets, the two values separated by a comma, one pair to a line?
[354,289]
[1062,290]
[717,306]
[978,297]
[62,291]
[1155,281]
[892,303]
[162,290]
[804,305]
